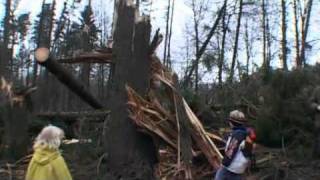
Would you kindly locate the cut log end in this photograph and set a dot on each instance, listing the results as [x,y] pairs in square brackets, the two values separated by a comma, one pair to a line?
[42,54]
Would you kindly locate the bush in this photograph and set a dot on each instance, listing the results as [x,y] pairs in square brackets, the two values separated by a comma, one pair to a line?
[278,106]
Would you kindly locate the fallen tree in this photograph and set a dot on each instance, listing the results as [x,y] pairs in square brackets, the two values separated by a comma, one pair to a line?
[73,115]
[92,57]
[43,58]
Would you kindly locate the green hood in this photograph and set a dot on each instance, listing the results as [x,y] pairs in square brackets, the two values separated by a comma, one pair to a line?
[44,156]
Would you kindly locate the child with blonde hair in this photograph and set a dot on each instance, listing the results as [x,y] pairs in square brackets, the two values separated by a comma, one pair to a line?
[47,162]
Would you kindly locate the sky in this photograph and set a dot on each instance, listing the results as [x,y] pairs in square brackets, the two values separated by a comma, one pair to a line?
[182,14]
[183,17]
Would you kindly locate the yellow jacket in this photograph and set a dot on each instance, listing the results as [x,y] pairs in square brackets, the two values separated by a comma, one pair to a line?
[47,164]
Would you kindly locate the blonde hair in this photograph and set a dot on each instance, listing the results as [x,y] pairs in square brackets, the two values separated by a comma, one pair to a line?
[50,137]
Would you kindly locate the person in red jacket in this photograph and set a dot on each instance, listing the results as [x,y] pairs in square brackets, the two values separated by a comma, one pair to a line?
[238,150]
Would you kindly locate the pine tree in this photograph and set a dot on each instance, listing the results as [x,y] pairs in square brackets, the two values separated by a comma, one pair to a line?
[88,40]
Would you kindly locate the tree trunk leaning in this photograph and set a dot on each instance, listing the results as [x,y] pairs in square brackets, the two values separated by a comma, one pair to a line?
[43,58]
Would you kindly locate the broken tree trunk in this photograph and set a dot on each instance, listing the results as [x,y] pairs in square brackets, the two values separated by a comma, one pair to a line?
[130,153]
[16,107]
[184,129]
[43,58]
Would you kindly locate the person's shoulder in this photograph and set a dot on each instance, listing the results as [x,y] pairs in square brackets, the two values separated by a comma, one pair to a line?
[239,133]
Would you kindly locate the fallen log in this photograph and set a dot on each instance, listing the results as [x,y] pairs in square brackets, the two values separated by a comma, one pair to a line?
[43,58]
[93,57]
[72,115]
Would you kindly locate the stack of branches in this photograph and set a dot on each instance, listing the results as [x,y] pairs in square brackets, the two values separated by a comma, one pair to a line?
[159,114]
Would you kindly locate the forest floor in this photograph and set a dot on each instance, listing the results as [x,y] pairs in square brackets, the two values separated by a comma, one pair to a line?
[271,165]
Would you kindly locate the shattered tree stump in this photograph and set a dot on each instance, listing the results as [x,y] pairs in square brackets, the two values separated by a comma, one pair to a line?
[130,154]
[165,116]
[16,111]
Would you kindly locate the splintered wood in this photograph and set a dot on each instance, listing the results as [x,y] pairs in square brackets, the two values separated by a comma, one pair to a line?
[156,115]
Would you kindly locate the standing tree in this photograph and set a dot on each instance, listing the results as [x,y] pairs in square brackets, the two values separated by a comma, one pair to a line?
[235,49]
[170,36]
[305,19]
[5,54]
[43,31]
[296,34]
[89,37]
[222,51]
[283,56]
[264,34]
[166,34]
[194,64]
[197,16]
[248,47]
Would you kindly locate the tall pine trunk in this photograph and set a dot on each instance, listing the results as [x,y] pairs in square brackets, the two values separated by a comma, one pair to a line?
[235,49]
[170,36]
[247,43]
[4,55]
[264,34]
[283,56]
[166,35]
[197,43]
[39,44]
[296,34]
[224,33]
[304,28]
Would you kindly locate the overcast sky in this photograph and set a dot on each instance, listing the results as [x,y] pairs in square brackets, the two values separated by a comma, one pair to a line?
[181,15]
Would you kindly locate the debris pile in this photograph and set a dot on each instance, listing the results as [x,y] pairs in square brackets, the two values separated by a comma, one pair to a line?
[157,115]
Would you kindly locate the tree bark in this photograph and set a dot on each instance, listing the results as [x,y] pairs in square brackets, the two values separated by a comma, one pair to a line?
[304,29]
[197,41]
[43,57]
[15,118]
[39,37]
[283,56]
[16,112]
[268,42]
[170,35]
[93,57]
[235,49]
[131,154]
[296,34]
[224,33]
[184,128]
[166,35]
[248,47]
[73,115]
[4,55]
[264,33]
